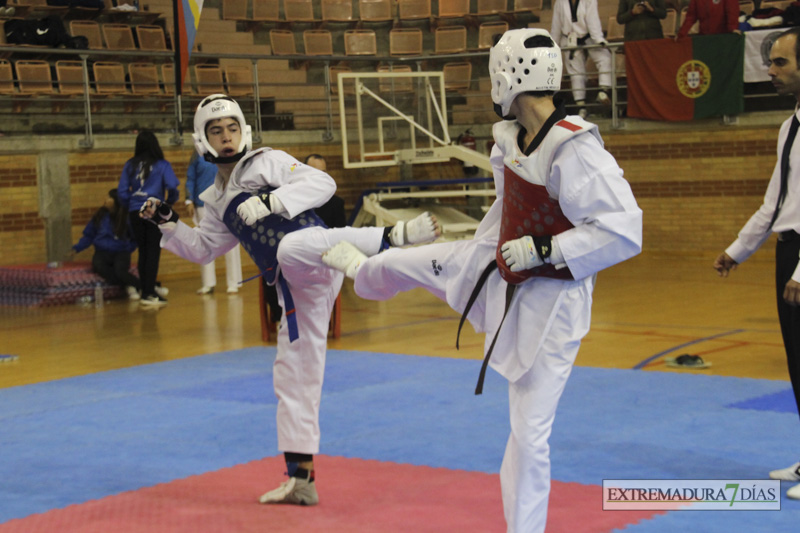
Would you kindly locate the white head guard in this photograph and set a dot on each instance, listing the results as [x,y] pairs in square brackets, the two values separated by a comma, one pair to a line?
[215,107]
[516,67]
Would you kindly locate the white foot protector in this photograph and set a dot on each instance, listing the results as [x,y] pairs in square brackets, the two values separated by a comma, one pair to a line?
[424,228]
[791,473]
[344,257]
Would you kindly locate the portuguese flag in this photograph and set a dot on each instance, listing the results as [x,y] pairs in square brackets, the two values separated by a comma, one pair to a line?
[696,77]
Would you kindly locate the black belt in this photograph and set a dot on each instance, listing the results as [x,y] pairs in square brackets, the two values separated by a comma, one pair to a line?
[581,42]
[510,288]
[787,236]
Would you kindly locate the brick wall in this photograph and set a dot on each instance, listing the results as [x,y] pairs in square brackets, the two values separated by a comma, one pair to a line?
[696,188]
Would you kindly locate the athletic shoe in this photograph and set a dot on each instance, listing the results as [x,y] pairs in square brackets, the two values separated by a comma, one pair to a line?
[787,474]
[344,257]
[794,492]
[424,228]
[162,291]
[602,98]
[133,294]
[296,491]
[232,290]
[205,290]
[153,301]
[583,113]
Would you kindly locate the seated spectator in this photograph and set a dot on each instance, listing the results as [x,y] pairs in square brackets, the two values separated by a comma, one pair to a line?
[642,19]
[113,243]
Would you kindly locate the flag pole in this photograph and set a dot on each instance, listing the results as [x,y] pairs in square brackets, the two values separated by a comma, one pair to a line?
[178,44]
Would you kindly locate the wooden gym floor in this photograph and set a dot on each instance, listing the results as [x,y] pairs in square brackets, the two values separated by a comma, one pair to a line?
[651,307]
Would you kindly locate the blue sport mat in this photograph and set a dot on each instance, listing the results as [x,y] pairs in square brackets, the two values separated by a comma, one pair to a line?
[83,438]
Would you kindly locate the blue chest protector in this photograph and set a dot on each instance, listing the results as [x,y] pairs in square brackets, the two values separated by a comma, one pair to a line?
[261,243]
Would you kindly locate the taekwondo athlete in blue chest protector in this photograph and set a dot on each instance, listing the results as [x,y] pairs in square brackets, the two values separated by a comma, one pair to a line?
[265,200]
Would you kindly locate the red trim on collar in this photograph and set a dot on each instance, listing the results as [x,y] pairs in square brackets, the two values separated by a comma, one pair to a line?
[569,125]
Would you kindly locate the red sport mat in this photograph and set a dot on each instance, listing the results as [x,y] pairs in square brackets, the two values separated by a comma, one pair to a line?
[356,495]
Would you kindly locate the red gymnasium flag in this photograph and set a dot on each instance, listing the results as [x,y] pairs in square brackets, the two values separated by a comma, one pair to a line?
[695,77]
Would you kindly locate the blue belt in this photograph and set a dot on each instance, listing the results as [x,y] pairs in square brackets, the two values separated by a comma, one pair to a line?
[261,244]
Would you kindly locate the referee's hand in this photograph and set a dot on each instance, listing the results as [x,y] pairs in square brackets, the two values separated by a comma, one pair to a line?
[791,293]
[724,264]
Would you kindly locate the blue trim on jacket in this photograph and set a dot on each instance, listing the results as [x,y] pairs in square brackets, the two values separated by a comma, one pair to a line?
[133,193]
[103,238]
[199,176]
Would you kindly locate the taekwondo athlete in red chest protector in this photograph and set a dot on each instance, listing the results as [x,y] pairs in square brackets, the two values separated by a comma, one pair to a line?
[265,200]
[563,213]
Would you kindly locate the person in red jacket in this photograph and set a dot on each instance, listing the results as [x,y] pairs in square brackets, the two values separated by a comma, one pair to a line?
[715,16]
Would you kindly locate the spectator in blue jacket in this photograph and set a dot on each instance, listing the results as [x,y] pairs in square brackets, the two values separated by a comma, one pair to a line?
[200,176]
[109,233]
[147,174]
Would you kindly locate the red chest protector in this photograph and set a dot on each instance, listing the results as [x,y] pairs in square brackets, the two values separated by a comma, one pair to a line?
[529,210]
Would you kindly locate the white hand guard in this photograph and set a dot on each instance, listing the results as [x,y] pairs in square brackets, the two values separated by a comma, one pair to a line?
[252,210]
[424,228]
[520,254]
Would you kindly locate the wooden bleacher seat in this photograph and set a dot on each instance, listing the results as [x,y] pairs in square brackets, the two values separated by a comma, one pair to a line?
[234,10]
[318,42]
[405,42]
[143,76]
[528,6]
[413,9]
[69,74]
[457,75]
[6,77]
[337,11]
[266,10]
[491,7]
[398,85]
[144,79]
[282,42]
[34,77]
[238,80]
[168,78]
[450,39]
[109,77]
[375,10]
[747,7]
[299,11]
[118,37]
[208,80]
[487,31]
[151,37]
[360,43]
[89,29]
[453,8]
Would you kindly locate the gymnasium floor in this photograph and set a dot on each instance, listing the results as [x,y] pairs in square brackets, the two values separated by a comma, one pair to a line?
[163,420]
